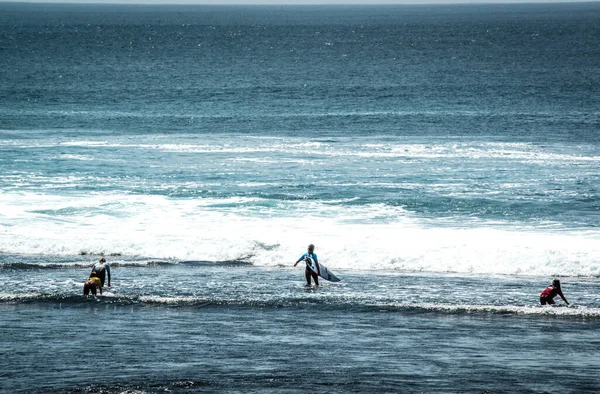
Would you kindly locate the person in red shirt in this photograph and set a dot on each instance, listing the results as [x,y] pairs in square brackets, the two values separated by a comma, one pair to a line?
[547,296]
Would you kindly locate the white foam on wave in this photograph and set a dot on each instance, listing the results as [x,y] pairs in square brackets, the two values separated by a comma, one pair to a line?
[419,248]
[8,297]
[538,310]
[371,237]
[262,149]
[74,157]
[522,152]
[173,300]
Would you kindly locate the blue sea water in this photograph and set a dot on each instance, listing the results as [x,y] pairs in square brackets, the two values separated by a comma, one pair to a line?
[445,161]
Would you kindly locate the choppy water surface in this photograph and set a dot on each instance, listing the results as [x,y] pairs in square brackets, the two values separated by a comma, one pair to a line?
[443,159]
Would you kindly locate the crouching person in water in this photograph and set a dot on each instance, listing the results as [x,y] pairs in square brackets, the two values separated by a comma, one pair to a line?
[547,296]
[308,272]
[92,284]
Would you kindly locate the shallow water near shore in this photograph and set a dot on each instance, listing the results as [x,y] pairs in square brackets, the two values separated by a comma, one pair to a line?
[236,328]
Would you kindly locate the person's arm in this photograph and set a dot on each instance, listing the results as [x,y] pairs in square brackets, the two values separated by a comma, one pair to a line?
[300,259]
[108,272]
[100,287]
[563,297]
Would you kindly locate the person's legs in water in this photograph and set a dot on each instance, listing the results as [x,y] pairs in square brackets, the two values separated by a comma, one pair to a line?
[308,274]
[311,274]
[89,286]
[546,300]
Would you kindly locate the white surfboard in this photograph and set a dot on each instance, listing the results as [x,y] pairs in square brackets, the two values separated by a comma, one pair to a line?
[322,271]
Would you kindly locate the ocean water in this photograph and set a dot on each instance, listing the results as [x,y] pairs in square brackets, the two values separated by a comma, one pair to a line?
[445,161]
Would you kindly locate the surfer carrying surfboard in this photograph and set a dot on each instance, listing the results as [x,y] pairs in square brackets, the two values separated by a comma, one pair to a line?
[311,259]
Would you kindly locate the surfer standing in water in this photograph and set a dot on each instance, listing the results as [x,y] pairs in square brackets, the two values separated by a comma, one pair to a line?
[547,296]
[101,268]
[308,271]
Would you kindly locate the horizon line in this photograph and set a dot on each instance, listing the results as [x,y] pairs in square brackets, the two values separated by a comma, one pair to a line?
[294,2]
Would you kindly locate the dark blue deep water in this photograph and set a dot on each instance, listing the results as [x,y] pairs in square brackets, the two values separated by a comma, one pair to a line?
[445,161]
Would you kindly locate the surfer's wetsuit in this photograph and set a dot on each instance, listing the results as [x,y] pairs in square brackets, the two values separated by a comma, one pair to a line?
[101,269]
[313,255]
[308,272]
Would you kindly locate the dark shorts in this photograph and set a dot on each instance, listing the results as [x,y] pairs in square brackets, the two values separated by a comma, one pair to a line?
[87,287]
[546,300]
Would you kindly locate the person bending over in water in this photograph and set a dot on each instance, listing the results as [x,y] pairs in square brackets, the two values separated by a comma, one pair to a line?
[101,268]
[308,272]
[92,284]
[547,296]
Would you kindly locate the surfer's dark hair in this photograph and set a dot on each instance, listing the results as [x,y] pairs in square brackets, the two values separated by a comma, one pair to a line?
[311,246]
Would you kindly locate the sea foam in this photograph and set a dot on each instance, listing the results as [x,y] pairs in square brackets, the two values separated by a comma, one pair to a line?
[371,237]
